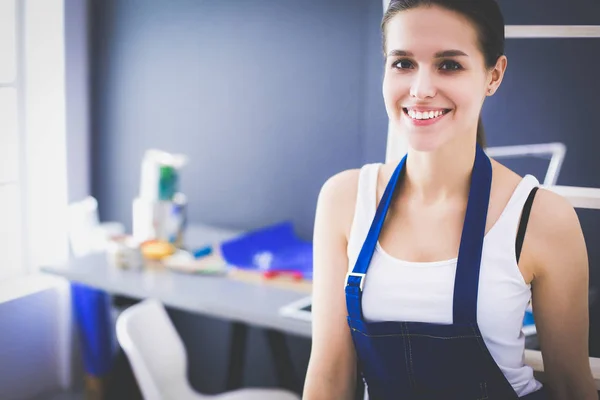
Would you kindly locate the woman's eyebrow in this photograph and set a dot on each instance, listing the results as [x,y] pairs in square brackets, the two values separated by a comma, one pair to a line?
[439,54]
[450,53]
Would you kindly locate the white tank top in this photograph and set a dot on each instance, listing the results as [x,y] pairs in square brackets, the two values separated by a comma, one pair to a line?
[397,290]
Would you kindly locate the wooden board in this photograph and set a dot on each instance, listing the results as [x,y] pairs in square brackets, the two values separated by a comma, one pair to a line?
[284,282]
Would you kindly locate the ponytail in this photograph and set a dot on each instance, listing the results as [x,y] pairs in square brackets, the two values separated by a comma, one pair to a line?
[481,134]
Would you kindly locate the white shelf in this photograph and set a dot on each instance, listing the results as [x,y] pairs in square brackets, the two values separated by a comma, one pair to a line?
[580,197]
[551,31]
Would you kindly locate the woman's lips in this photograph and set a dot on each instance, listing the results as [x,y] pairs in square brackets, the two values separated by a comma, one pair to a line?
[424,117]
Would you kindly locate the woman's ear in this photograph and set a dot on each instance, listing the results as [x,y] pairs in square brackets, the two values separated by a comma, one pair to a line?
[496,75]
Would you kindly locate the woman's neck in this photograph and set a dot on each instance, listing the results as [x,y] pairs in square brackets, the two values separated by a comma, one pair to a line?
[441,175]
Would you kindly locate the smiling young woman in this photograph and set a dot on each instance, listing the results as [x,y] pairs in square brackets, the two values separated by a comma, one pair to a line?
[436,272]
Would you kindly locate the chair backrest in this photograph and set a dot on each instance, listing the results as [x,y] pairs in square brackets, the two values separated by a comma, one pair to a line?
[154,349]
[555,151]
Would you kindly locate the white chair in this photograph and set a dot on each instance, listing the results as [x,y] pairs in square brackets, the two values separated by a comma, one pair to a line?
[159,362]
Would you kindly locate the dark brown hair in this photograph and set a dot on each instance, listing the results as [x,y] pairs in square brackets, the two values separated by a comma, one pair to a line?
[486,18]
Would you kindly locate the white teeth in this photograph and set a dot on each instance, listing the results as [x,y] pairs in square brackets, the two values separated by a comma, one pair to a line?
[424,114]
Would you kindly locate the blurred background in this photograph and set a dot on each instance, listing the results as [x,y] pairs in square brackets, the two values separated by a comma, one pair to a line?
[266,99]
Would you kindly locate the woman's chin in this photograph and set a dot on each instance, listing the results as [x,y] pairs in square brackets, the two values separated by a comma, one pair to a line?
[425,144]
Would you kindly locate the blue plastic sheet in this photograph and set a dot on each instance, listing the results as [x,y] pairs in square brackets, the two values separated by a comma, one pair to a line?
[92,314]
[273,248]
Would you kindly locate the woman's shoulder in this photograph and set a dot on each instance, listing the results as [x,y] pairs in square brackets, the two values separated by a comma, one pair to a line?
[508,185]
[554,230]
[343,186]
[553,227]
[549,207]
[337,198]
[341,182]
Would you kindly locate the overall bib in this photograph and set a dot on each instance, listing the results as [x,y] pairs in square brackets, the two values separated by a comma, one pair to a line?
[427,361]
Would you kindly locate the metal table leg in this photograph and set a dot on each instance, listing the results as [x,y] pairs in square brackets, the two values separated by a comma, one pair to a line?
[282,361]
[237,355]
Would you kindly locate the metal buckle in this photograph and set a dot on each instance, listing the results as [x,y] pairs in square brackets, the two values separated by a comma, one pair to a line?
[359,275]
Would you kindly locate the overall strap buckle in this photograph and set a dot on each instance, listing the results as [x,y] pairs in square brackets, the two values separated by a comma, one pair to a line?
[361,281]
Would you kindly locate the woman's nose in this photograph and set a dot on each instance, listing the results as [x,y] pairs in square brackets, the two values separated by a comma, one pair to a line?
[422,86]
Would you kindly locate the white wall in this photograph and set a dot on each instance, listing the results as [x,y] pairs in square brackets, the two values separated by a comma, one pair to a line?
[77,99]
[36,330]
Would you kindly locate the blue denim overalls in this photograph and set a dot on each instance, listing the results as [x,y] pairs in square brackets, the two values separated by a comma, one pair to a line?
[418,360]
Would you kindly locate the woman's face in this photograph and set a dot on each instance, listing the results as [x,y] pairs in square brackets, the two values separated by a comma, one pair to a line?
[435,77]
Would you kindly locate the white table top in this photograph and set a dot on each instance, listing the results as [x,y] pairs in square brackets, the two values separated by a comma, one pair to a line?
[216,296]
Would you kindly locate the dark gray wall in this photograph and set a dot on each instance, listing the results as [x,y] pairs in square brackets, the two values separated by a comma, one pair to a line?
[374,134]
[264,96]
[550,89]
[271,97]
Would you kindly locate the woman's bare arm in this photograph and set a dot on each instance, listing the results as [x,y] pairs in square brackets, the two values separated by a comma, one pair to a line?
[556,248]
[332,366]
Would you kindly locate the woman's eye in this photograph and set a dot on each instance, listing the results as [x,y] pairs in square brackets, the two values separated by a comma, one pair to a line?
[402,64]
[450,66]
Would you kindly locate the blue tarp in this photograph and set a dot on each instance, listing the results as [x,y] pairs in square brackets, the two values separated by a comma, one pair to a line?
[273,248]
